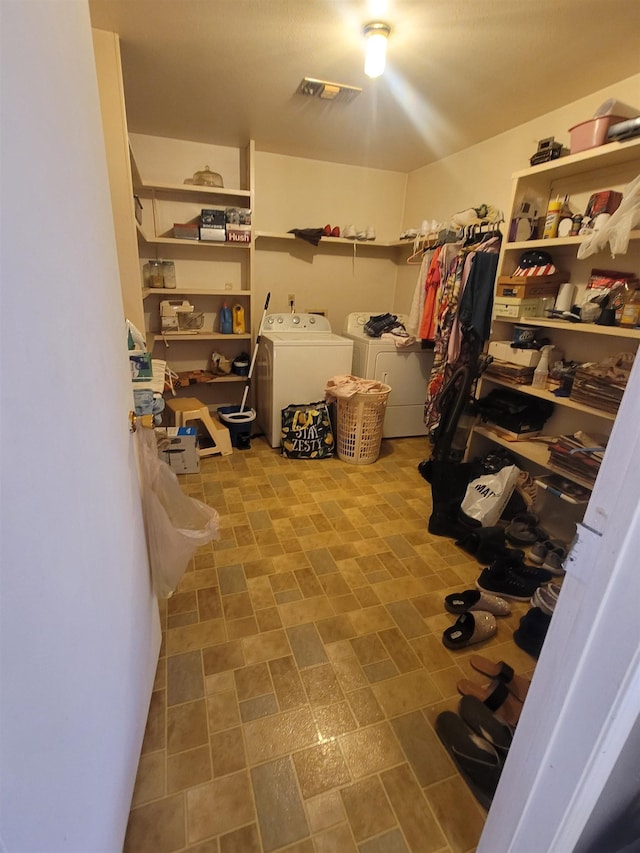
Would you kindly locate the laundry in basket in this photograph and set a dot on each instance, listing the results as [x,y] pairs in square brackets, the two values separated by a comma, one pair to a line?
[362,404]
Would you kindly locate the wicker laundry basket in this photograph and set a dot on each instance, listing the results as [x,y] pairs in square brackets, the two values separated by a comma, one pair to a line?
[359,427]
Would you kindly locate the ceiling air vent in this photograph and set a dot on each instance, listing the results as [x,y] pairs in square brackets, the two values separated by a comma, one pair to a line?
[327,91]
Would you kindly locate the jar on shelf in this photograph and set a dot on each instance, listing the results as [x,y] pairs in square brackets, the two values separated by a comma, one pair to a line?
[169,274]
[152,274]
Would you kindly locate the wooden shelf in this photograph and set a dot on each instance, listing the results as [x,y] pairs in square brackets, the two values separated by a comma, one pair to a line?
[199,244]
[155,337]
[566,326]
[556,242]
[534,451]
[168,292]
[191,191]
[330,241]
[612,154]
[547,395]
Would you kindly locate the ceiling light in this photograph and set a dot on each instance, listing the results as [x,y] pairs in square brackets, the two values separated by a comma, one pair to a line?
[376,35]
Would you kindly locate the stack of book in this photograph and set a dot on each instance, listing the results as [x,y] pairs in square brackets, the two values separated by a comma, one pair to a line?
[602,385]
[509,372]
[569,456]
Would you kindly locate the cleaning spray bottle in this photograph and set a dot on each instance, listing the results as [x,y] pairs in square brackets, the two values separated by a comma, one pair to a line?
[542,370]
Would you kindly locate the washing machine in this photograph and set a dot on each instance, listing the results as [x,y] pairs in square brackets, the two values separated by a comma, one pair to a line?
[405,369]
[296,356]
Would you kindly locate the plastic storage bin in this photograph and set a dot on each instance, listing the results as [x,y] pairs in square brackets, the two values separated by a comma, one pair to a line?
[590,134]
[360,420]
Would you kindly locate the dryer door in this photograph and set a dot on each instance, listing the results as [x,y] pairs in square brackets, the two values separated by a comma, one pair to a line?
[407,373]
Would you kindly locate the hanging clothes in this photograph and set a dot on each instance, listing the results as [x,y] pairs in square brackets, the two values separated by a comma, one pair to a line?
[417,304]
[427,329]
[470,286]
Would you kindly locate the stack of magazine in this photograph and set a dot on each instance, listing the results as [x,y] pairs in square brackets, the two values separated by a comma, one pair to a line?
[571,456]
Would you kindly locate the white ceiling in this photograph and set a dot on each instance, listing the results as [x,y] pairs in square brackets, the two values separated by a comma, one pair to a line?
[458,71]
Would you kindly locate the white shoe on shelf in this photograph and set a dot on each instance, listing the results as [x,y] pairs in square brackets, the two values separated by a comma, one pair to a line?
[371,233]
[349,232]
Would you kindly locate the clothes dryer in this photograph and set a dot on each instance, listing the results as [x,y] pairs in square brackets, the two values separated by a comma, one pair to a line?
[298,353]
[405,369]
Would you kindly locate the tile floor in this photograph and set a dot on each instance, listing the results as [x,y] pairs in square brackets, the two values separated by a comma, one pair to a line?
[302,668]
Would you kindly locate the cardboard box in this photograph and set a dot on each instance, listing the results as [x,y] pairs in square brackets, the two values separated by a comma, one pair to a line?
[213,235]
[528,290]
[211,218]
[505,306]
[178,447]
[503,351]
[238,234]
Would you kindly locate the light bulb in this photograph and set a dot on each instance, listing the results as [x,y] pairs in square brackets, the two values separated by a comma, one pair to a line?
[376,50]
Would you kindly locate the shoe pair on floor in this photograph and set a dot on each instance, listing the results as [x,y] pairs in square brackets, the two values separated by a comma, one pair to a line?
[478,743]
[505,693]
[531,633]
[510,577]
[476,621]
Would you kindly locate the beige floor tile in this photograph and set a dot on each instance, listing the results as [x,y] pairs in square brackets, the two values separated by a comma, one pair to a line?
[369,649]
[267,646]
[150,780]
[186,726]
[185,680]
[371,619]
[187,769]
[450,799]
[244,840]
[197,636]
[223,656]
[279,734]
[221,682]
[281,815]
[399,650]
[416,819]
[227,752]
[219,806]
[308,649]
[338,839]
[349,673]
[157,827]
[261,706]
[290,692]
[222,711]
[209,603]
[253,680]
[334,720]
[305,610]
[371,749]
[406,693]
[336,628]
[367,808]
[321,685]
[365,706]
[389,842]
[320,768]
[155,731]
[325,810]
[426,755]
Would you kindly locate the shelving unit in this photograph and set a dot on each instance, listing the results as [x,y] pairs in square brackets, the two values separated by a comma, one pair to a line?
[208,274]
[577,176]
[334,241]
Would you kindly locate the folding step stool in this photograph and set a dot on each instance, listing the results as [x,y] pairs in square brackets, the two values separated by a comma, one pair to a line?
[191,409]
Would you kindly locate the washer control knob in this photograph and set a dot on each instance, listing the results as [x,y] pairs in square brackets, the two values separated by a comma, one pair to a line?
[312,320]
[295,320]
[280,320]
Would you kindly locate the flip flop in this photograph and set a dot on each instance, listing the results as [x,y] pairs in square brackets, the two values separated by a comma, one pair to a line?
[480,719]
[469,629]
[473,599]
[477,761]
[496,697]
[516,684]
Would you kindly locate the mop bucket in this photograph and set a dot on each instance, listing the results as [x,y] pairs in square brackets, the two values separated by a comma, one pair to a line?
[239,425]
[360,421]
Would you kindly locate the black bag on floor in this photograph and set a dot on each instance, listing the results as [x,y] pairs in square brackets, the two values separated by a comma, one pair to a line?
[306,432]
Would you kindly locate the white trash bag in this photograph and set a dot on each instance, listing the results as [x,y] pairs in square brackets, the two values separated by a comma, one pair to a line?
[486,497]
[175,524]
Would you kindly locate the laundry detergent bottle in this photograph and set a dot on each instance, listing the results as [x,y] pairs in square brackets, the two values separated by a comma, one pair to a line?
[226,320]
[238,320]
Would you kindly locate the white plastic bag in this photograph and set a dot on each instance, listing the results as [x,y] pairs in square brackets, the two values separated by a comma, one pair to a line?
[175,524]
[486,497]
[616,230]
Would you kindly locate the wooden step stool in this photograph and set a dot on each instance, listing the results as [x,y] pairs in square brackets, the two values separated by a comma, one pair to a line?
[191,409]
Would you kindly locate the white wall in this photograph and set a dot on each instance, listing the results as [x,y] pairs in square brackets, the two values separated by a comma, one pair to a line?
[79,625]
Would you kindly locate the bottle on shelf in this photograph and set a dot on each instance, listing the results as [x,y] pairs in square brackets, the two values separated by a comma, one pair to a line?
[541,372]
[238,320]
[226,320]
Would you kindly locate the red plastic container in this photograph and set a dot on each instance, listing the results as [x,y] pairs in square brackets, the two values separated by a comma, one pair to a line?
[590,134]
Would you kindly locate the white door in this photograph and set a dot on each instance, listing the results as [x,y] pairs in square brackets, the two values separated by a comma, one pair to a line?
[78,620]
